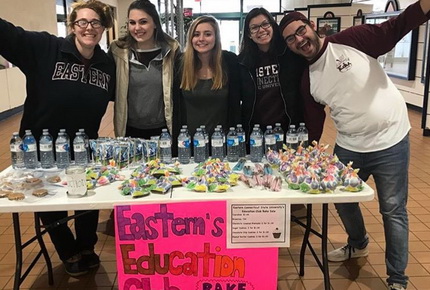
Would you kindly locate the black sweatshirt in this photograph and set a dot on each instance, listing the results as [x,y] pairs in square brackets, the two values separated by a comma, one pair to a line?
[61,91]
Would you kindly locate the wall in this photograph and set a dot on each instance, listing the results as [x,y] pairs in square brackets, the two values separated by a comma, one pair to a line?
[292,4]
[346,13]
[413,91]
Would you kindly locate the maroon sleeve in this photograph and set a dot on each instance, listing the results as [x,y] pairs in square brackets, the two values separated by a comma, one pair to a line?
[313,112]
[378,39]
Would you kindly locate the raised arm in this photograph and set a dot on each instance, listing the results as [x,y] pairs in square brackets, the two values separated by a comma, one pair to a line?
[378,39]
[20,47]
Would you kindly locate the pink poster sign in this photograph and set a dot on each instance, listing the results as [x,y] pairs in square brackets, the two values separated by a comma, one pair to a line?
[176,246]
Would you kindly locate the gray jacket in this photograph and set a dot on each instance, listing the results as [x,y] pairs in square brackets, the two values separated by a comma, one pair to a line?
[121,57]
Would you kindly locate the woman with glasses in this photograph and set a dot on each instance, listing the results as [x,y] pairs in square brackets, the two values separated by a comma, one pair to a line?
[209,83]
[145,60]
[70,82]
[269,73]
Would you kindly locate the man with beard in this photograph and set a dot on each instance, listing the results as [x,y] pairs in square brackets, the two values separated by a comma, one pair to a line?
[371,119]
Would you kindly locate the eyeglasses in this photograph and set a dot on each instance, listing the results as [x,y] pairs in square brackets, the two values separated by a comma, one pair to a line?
[290,39]
[83,23]
[255,28]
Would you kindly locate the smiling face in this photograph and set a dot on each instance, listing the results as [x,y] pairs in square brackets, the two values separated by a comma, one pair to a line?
[142,28]
[261,32]
[87,37]
[203,38]
[308,45]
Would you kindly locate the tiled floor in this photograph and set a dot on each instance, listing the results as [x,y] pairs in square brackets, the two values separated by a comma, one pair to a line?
[358,274]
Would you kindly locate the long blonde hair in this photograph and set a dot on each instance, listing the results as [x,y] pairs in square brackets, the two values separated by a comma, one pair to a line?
[191,63]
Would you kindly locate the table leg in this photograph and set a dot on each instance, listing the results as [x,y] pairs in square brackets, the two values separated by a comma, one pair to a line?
[19,246]
[305,242]
[43,249]
[18,250]
[324,246]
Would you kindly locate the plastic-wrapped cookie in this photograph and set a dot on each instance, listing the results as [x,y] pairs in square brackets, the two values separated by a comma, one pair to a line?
[53,179]
[41,192]
[7,186]
[4,193]
[33,181]
[16,196]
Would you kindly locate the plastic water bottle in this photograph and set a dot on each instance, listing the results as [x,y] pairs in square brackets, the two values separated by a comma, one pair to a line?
[256,145]
[242,140]
[199,146]
[261,133]
[223,140]
[46,149]
[184,147]
[279,136]
[69,141]
[186,130]
[87,144]
[232,145]
[303,135]
[62,150]
[217,144]
[292,138]
[16,153]
[30,150]
[165,147]
[269,139]
[207,144]
[81,157]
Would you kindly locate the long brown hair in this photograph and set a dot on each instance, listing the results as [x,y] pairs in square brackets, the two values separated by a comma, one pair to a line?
[191,62]
[128,41]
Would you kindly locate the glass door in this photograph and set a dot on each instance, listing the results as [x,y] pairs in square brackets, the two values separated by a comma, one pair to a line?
[229,30]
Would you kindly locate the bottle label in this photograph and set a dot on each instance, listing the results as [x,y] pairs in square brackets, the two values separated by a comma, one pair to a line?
[270,140]
[184,143]
[62,148]
[29,147]
[279,137]
[305,137]
[15,148]
[79,147]
[198,144]
[256,142]
[292,139]
[165,143]
[242,138]
[232,141]
[217,143]
[46,147]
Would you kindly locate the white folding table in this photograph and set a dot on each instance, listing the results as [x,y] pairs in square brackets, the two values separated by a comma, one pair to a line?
[106,197]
